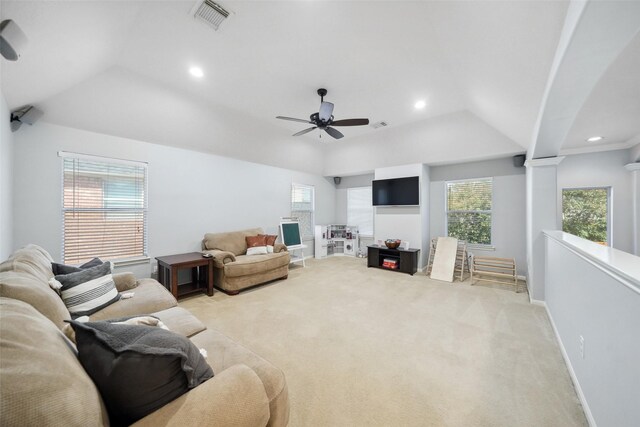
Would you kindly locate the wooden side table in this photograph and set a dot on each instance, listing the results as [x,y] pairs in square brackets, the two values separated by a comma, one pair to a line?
[201,273]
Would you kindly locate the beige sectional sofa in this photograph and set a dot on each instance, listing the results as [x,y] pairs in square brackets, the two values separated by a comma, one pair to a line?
[234,270]
[43,383]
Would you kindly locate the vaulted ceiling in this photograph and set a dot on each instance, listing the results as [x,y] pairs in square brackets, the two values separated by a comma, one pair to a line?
[121,68]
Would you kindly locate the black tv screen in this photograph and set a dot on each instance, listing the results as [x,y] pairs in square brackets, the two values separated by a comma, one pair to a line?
[396,192]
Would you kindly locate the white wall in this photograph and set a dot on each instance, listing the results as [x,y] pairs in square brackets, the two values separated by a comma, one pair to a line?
[190,193]
[6,181]
[508,220]
[585,298]
[604,169]
[403,222]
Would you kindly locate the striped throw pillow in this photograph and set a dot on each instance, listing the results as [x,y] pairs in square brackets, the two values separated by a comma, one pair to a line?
[87,291]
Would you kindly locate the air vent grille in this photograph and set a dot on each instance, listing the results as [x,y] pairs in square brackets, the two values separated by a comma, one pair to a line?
[378,125]
[211,13]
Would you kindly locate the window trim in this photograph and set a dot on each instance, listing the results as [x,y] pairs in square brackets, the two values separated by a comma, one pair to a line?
[373,213]
[480,246]
[609,189]
[313,209]
[138,259]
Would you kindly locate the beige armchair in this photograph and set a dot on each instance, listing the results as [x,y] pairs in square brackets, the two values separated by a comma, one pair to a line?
[234,270]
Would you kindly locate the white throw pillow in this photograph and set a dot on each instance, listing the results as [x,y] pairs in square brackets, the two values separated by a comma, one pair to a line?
[87,291]
[257,250]
[269,249]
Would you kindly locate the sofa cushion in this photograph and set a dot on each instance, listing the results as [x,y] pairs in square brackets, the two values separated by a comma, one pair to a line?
[28,288]
[233,241]
[234,398]
[256,264]
[31,259]
[138,369]
[224,353]
[89,290]
[149,297]
[180,321]
[43,383]
[125,281]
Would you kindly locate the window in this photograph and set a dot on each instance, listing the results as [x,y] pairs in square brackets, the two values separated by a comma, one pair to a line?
[104,208]
[302,207]
[360,209]
[585,213]
[469,210]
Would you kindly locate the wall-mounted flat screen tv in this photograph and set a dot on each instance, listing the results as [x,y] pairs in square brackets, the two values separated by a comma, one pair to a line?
[396,192]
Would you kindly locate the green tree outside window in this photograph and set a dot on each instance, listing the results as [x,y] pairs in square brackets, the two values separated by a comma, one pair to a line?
[585,213]
[469,210]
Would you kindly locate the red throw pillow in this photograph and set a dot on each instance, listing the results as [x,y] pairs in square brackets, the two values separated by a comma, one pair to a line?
[270,239]
[253,241]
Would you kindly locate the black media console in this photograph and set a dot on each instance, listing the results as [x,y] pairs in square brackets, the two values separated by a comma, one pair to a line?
[407,259]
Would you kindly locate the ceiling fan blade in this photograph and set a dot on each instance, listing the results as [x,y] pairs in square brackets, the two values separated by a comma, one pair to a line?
[334,133]
[302,132]
[350,122]
[293,120]
[326,110]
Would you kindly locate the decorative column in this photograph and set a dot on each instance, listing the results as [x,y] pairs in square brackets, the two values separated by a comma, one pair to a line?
[542,214]
[634,168]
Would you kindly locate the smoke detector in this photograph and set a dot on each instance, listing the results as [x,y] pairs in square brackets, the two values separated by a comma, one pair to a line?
[210,13]
[378,125]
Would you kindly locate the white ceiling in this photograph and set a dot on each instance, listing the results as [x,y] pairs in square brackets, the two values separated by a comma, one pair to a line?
[613,108]
[120,67]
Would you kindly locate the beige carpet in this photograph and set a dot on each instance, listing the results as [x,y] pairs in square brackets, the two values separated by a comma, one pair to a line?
[367,347]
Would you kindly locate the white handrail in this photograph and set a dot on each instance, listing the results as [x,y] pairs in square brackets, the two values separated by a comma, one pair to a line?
[621,265]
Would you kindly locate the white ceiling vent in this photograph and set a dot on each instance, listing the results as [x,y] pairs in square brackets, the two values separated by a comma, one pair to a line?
[211,13]
[379,125]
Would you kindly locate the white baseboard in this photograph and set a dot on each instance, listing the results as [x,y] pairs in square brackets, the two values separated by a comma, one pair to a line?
[572,374]
[537,302]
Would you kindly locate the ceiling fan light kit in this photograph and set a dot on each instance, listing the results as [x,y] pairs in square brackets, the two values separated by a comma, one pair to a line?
[12,40]
[323,119]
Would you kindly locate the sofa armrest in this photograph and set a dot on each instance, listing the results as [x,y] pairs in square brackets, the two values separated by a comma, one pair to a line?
[279,247]
[125,281]
[220,258]
[234,397]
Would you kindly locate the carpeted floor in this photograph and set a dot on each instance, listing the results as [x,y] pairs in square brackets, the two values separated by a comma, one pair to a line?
[367,347]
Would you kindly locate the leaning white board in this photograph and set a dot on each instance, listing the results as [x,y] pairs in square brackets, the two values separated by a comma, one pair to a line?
[444,260]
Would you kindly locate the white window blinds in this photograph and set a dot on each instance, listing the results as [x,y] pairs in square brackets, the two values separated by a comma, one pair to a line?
[469,210]
[302,207]
[104,209]
[360,209]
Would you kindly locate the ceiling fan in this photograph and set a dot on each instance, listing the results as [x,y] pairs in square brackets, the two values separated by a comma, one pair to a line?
[323,119]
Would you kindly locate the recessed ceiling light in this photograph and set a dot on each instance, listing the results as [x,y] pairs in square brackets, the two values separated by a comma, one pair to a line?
[196,72]
[420,104]
[595,138]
